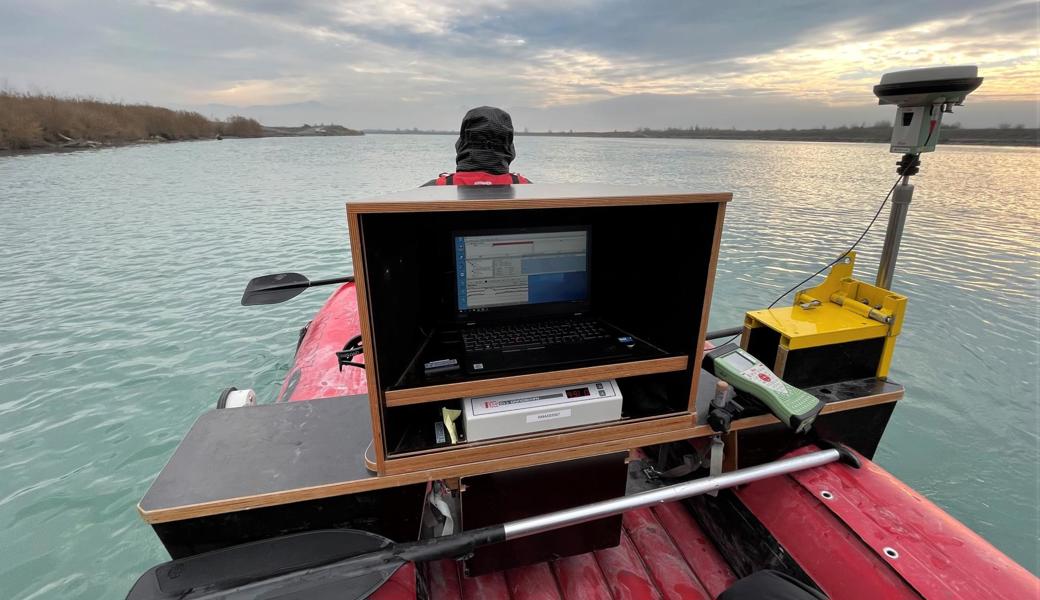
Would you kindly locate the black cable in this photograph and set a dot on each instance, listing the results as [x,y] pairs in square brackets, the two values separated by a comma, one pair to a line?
[932,125]
[846,253]
[836,260]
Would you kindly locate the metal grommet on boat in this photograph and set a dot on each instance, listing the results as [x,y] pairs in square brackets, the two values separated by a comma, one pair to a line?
[890,552]
[826,495]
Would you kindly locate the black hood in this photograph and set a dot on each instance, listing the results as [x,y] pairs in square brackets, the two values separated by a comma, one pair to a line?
[485,141]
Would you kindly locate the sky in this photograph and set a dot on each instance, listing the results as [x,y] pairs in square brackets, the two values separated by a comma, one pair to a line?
[554,64]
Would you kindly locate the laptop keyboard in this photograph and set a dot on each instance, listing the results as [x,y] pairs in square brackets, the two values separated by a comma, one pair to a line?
[533,335]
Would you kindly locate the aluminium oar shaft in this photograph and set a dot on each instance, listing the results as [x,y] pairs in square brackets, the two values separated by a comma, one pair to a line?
[721,333]
[606,508]
[318,282]
[315,283]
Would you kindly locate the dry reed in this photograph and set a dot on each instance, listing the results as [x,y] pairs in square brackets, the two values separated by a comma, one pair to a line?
[30,121]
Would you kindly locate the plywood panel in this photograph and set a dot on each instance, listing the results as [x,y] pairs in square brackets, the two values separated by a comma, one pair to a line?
[540,442]
[706,307]
[532,196]
[357,249]
[532,381]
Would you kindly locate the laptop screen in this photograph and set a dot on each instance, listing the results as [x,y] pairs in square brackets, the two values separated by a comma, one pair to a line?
[516,268]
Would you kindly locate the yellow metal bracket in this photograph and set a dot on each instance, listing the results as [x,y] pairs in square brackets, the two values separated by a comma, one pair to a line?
[864,299]
[841,309]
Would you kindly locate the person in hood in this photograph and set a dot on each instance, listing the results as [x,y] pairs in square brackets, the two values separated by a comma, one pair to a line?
[483,151]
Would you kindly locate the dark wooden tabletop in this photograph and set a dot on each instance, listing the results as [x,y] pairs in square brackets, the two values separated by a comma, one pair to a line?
[242,452]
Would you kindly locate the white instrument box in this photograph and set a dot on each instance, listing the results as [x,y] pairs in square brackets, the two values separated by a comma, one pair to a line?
[518,413]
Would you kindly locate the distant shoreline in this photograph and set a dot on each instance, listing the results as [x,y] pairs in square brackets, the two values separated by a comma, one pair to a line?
[990,136]
[270,132]
[38,123]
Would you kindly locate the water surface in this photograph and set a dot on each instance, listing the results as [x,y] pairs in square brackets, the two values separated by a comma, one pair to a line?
[122,270]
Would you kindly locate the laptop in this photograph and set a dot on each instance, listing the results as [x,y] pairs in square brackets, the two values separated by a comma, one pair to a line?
[522,301]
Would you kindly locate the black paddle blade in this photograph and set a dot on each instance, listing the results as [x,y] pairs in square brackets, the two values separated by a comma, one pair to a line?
[304,565]
[272,289]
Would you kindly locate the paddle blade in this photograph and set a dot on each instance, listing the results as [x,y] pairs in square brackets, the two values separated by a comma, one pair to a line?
[272,289]
[302,565]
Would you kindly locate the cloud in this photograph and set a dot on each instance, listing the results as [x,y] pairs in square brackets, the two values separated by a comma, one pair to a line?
[388,63]
[296,89]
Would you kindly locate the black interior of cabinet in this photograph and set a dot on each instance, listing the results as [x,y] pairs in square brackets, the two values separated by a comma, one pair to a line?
[415,428]
[655,395]
[648,270]
[506,496]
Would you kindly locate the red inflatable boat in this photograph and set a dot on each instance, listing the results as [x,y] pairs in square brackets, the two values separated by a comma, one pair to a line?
[856,534]
[316,371]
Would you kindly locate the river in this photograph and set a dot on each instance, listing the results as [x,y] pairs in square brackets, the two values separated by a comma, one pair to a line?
[122,271]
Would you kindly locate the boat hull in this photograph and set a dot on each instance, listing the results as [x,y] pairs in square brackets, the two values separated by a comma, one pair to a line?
[316,372]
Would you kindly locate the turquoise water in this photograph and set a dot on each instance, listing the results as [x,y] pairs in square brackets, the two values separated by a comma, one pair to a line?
[122,270]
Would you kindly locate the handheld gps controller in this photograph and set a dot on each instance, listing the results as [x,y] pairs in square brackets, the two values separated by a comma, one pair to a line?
[746,373]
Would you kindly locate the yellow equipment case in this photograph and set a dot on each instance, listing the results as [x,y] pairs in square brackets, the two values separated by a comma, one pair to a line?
[840,330]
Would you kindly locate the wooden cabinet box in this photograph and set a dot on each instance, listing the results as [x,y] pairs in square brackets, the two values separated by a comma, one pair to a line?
[651,270]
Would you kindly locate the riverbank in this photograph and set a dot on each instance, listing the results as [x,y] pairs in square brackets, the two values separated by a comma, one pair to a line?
[40,123]
[876,134]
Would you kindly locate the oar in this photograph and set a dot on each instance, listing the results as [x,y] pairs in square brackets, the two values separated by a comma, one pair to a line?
[272,289]
[349,565]
[721,333]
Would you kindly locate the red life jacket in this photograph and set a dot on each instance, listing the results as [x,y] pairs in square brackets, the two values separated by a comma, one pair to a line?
[479,178]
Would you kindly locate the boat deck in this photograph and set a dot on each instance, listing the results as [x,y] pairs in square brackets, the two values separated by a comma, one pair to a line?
[663,555]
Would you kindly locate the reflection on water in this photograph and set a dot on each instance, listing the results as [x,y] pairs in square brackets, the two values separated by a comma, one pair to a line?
[122,271]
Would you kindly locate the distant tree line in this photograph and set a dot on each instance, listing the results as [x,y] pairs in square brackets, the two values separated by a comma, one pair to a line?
[30,121]
[879,132]
[239,127]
